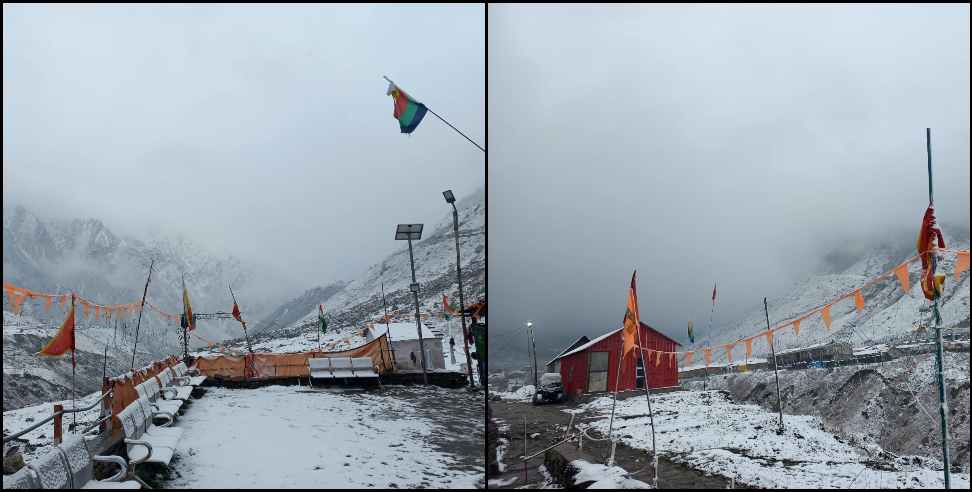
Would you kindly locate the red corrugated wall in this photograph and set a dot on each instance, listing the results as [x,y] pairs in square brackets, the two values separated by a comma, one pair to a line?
[573,368]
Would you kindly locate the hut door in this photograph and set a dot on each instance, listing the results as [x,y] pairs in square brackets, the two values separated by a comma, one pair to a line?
[639,373]
[597,375]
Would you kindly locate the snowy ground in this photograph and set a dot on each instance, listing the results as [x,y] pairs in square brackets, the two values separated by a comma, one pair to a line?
[292,437]
[605,477]
[708,432]
[524,393]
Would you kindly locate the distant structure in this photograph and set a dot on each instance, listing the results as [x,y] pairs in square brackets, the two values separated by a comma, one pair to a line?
[591,366]
[404,342]
[831,352]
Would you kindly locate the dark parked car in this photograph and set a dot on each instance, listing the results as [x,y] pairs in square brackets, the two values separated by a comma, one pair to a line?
[551,389]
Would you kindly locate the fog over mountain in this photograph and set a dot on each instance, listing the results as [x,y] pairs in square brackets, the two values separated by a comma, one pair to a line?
[738,145]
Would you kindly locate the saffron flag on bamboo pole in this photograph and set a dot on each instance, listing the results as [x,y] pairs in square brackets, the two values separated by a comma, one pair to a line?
[631,318]
[408,111]
[63,340]
[928,235]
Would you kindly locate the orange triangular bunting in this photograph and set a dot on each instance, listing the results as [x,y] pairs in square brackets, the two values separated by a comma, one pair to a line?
[796,327]
[749,347]
[707,355]
[902,273]
[826,316]
[858,300]
[961,263]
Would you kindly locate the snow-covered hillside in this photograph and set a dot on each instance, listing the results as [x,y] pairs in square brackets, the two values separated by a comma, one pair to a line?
[888,312]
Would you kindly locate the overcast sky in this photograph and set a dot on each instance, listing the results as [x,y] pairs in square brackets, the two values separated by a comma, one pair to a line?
[259,131]
[701,144]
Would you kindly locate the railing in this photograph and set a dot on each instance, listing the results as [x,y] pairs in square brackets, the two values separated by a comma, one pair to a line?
[56,415]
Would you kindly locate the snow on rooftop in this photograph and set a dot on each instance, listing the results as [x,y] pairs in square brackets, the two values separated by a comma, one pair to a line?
[292,437]
[402,331]
[589,344]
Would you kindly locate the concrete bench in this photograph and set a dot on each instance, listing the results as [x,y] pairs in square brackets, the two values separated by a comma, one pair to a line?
[68,466]
[145,441]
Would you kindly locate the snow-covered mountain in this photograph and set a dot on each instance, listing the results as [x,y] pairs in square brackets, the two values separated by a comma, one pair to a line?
[85,255]
[888,311]
[352,304]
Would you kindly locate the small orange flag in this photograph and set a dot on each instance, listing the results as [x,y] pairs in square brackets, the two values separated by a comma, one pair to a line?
[858,300]
[48,300]
[826,315]
[769,337]
[658,356]
[707,355]
[796,327]
[671,359]
[63,340]
[749,347]
[729,347]
[961,263]
[688,358]
[902,273]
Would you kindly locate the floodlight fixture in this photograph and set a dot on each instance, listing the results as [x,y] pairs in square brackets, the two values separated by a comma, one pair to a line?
[449,197]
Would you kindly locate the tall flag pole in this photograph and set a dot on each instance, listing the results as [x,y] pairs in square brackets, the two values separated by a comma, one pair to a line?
[140,309]
[651,415]
[410,112]
[709,334]
[931,285]
[239,317]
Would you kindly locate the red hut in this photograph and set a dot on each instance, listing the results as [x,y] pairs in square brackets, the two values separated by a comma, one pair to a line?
[592,367]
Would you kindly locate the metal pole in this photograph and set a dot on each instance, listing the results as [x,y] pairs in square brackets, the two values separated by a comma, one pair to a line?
[536,379]
[779,399]
[387,328]
[614,400]
[142,308]
[462,302]
[651,415]
[418,316]
[939,356]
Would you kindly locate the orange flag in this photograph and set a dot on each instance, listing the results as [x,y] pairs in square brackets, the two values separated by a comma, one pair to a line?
[18,302]
[631,318]
[961,263]
[688,358]
[769,337]
[48,300]
[826,315]
[749,347]
[729,347]
[929,239]
[707,355]
[84,309]
[658,356]
[858,300]
[63,299]
[97,313]
[671,359]
[63,340]
[796,327]
[902,273]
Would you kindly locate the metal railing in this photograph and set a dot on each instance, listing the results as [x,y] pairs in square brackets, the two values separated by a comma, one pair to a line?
[55,415]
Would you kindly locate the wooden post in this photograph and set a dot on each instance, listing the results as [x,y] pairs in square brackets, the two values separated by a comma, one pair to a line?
[58,430]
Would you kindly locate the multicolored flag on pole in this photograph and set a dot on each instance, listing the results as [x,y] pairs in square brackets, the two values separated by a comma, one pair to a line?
[928,235]
[190,322]
[64,338]
[408,111]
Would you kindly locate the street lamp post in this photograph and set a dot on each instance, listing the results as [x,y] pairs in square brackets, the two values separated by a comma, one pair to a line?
[533,340]
[408,232]
[451,200]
